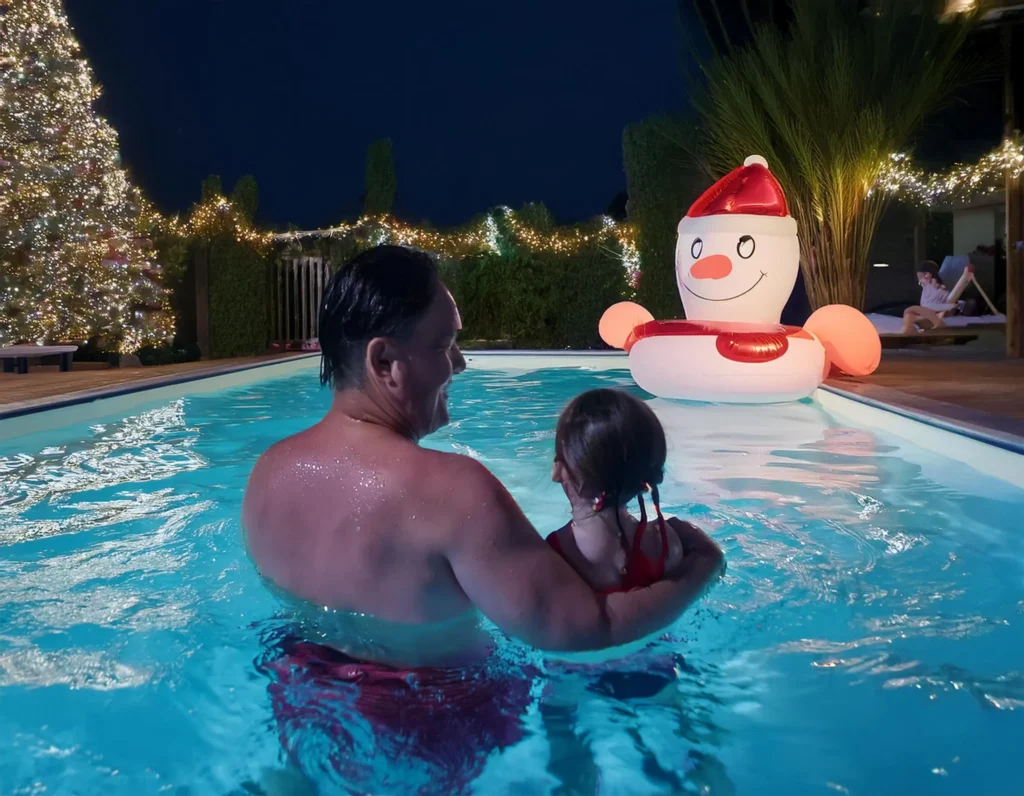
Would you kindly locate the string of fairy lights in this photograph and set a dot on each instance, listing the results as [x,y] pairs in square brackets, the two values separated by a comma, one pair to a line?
[76,248]
[485,236]
[898,178]
[218,215]
[901,179]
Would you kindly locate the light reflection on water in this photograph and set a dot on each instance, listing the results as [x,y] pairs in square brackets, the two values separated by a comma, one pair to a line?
[42,495]
[868,631]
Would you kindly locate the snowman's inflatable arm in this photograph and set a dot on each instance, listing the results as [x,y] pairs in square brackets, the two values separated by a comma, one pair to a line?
[850,339]
[621,319]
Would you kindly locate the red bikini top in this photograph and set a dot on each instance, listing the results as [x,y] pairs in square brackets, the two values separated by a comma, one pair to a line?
[641,569]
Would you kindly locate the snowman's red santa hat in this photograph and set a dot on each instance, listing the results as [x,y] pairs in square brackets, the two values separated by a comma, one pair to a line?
[748,200]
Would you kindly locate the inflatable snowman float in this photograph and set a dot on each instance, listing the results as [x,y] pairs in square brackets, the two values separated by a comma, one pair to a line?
[737,259]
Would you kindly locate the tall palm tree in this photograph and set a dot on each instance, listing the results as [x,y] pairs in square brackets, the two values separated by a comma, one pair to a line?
[826,98]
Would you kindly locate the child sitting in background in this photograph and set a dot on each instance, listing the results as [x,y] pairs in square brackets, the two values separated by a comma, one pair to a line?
[610,448]
[934,300]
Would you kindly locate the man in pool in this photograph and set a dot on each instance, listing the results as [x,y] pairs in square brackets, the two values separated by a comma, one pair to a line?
[354,515]
[391,550]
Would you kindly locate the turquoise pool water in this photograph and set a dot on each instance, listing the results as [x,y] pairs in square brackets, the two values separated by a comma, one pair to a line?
[867,639]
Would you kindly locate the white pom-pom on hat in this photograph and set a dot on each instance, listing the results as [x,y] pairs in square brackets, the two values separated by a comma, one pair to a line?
[747,200]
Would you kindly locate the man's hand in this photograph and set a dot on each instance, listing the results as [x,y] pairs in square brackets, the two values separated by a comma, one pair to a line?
[694,540]
[515,579]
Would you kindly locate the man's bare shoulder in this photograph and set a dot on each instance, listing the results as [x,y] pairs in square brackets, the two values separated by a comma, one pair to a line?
[268,471]
[463,489]
[281,457]
[284,472]
[456,472]
[447,463]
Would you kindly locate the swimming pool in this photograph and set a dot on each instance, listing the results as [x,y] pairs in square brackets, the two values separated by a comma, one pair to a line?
[866,640]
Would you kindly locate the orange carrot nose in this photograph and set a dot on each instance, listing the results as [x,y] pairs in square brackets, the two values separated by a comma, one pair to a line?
[714,266]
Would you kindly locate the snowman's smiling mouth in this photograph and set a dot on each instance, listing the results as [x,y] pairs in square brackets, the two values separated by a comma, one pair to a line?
[730,298]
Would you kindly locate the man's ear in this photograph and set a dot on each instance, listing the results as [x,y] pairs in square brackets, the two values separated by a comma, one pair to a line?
[380,361]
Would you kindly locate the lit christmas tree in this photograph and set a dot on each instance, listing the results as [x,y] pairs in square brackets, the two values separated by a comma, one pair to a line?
[76,258]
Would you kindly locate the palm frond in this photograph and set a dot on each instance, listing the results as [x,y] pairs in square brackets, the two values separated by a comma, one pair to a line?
[826,101]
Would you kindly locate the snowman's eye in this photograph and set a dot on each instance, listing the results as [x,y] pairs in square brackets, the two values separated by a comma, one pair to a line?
[745,248]
[696,248]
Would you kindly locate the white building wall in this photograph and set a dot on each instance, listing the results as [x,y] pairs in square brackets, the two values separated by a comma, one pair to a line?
[974,227]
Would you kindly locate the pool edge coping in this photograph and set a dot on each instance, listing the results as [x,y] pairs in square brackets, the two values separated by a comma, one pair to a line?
[970,423]
[79,397]
[974,424]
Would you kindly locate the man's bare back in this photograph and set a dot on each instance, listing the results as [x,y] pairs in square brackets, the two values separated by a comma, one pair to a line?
[403,546]
[369,517]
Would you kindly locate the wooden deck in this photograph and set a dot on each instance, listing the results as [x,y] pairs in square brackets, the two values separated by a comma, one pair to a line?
[996,387]
[44,384]
[977,389]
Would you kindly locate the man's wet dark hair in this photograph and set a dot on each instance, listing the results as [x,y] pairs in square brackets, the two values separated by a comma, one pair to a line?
[381,292]
[612,444]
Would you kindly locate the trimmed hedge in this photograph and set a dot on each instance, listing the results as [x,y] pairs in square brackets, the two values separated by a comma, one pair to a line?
[239,300]
[536,300]
[661,189]
[239,283]
[589,283]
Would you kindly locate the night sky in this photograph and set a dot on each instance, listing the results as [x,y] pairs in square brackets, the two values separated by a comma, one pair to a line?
[486,103]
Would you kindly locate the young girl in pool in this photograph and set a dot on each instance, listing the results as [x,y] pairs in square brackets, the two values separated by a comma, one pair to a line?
[609,449]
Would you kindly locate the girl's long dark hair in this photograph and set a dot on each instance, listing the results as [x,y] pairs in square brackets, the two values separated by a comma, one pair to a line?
[613,446]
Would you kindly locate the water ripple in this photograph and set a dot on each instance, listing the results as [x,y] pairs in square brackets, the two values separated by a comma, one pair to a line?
[863,571]
[78,669]
[137,450]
